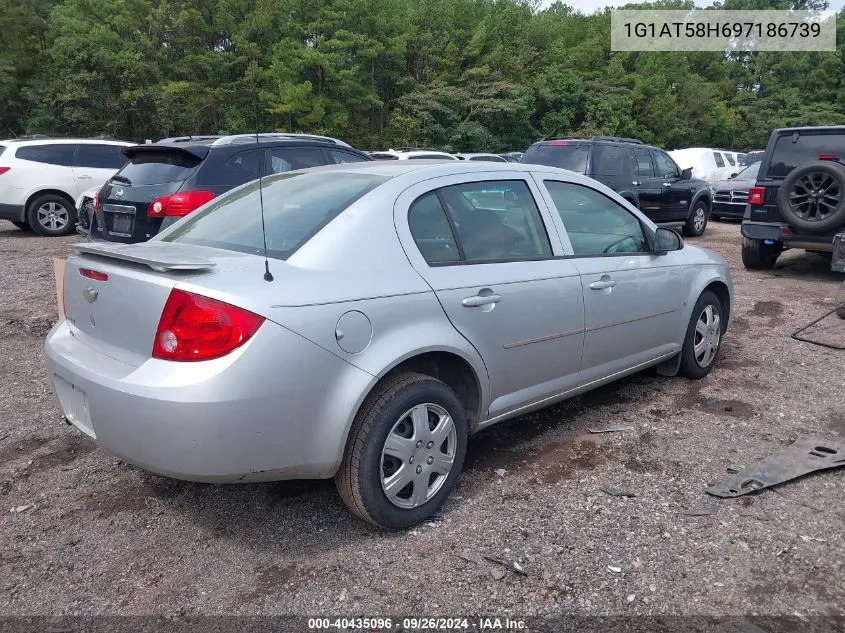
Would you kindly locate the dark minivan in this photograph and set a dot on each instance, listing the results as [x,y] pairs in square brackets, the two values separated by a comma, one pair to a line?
[645,176]
[165,181]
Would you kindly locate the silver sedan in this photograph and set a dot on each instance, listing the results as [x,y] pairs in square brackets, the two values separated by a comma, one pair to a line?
[360,321]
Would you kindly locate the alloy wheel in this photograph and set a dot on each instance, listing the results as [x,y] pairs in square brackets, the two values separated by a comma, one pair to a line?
[52,216]
[815,196]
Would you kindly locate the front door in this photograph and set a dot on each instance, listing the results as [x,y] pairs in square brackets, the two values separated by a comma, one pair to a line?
[632,298]
[646,183]
[676,193]
[484,249]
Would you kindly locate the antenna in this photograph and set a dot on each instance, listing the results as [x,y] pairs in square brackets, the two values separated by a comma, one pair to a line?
[268,276]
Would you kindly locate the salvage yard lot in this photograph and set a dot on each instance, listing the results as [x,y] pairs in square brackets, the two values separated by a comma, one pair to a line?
[95,535]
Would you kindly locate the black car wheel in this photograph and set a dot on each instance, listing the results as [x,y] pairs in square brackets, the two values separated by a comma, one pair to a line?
[51,215]
[812,196]
[405,452]
[758,255]
[697,220]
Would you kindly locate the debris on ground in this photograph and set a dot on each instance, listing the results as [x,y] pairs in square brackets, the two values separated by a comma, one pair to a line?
[19,509]
[615,570]
[497,572]
[617,492]
[806,455]
[501,472]
[612,429]
[513,567]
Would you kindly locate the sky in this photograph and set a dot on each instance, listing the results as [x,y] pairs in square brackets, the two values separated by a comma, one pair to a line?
[589,6]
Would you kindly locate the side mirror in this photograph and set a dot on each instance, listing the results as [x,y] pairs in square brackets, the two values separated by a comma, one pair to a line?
[733,175]
[686,174]
[666,240]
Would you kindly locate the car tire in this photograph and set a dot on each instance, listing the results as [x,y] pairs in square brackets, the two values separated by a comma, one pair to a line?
[703,339]
[697,220]
[839,301]
[796,196]
[757,255]
[23,226]
[51,215]
[392,415]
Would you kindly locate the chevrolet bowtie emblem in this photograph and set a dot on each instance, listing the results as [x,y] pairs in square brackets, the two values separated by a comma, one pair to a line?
[89,294]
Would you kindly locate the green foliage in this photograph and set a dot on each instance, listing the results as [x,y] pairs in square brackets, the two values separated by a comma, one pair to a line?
[471,75]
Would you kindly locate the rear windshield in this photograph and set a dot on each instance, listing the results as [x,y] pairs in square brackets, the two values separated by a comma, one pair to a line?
[787,155]
[571,156]
[296,207]
[157,168]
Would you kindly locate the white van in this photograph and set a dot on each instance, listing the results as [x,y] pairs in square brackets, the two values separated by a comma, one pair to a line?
[707,163]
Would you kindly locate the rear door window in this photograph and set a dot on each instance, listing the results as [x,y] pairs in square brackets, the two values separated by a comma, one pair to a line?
[100,156]
[788,154]
[570,155]
[50,154]
[643,166]
[730,158]
[720,162]
[247,164]
[608,160]
[157,168]
[296,207]
[287,159]
[339,156]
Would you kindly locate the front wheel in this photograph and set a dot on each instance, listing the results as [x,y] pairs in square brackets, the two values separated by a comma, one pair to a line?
[405,452]
[697,221]
[704,337]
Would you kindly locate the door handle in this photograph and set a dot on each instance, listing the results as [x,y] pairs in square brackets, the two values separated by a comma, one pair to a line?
[667,184]
[636,183]
[604,283]
[84,177]
[480,300]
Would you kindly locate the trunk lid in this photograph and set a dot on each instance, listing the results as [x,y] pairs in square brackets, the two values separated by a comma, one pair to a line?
[116,308]
[152,172]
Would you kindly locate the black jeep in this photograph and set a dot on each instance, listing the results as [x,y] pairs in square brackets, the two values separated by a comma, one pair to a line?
[645,176]
[799,197]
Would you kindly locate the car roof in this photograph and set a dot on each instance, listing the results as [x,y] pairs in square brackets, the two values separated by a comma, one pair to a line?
[52,141]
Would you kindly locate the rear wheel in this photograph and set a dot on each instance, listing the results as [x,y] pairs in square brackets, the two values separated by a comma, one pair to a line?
[704,337]
[405,452]
[51,215]
[757,255]
[697,221]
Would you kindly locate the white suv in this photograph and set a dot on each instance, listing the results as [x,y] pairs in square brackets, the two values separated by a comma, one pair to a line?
[412,154]
[40,178]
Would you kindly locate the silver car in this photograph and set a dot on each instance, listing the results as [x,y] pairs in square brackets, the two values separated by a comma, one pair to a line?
[401,307]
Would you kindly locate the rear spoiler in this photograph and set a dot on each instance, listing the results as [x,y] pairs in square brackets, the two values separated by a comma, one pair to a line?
[195,151]
[160,257]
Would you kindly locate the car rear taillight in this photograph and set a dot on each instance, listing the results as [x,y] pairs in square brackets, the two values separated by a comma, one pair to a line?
[96,275]
[178,204]
[827,157]
[193,327]
[756,195]
[95,203]
[3,170]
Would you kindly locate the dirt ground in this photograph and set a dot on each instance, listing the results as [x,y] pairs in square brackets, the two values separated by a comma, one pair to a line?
[83,533]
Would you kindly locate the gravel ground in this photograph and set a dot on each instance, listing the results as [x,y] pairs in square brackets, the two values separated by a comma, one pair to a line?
[102,537]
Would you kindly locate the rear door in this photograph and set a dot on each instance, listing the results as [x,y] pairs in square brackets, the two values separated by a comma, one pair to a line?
[95,163]
[484,248]
[648,185]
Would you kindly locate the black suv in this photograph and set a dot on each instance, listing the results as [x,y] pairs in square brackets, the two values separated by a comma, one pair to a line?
[165,181]
[645,176]
[799,197]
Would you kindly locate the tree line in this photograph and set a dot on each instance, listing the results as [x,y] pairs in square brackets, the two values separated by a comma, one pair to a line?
[463,75]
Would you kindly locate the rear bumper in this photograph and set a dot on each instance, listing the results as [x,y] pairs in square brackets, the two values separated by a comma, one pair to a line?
[783,233]
[13,212]
[277,408]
